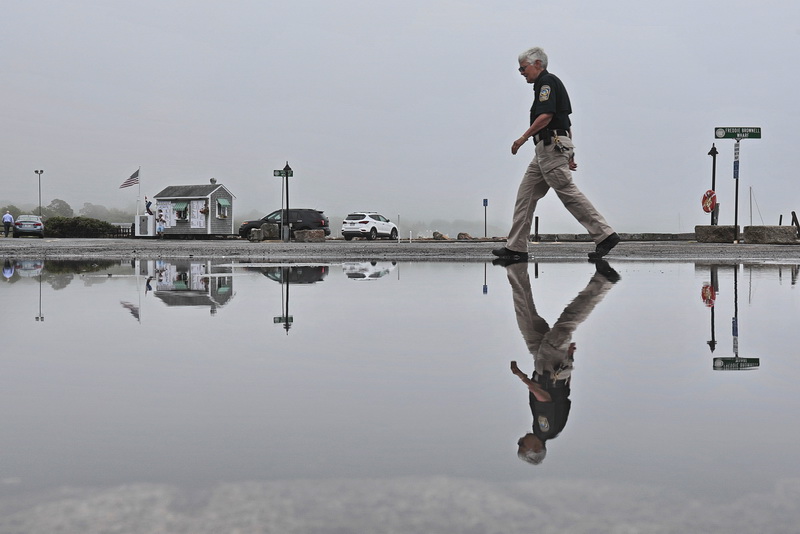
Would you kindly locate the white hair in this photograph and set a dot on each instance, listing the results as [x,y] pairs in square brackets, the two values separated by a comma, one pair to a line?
[532,457]
[532,54]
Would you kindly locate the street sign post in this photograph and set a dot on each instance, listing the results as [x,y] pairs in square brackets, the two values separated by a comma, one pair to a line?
[738,133]
[284,173]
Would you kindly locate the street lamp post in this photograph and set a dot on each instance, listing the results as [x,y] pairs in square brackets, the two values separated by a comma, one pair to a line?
[485,203]
[713,153]
[39,174]
[285,173]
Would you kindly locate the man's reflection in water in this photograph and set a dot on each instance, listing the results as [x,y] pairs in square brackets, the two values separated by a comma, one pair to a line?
[553,354]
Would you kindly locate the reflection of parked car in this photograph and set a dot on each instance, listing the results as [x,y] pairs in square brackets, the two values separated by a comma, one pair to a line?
[368,224]
[368,270]
[29,268]
[297,274]
[28,225]
[299,219]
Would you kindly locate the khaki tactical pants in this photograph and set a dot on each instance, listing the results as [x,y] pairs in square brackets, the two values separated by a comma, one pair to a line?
[550,168]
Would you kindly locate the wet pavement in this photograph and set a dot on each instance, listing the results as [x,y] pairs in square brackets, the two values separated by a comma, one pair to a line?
[405,250]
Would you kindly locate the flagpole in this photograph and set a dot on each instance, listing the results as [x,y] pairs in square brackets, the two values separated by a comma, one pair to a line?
[139,193]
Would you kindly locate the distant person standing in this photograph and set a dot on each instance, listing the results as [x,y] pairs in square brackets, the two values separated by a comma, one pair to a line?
[8,220]
[550,128]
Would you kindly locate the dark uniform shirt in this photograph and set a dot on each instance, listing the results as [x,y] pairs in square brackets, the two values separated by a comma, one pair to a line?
[550,96]
[550,417]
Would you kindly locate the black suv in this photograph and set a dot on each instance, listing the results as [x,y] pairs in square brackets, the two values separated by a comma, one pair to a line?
[299,219]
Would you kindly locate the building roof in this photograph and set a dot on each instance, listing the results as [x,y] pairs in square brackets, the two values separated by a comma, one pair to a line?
[190,191]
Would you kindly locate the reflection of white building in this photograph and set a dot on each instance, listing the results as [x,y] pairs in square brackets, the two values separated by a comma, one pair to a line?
[368,270]
[187,283]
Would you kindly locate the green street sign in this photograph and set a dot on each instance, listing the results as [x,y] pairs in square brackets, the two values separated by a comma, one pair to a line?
[735,364]
[288,173]
[727,132]
[277,173]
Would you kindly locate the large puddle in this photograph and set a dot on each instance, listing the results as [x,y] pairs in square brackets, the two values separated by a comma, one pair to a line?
[205,396]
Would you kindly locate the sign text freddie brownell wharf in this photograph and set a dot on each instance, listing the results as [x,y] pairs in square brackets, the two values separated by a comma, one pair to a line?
[727,132]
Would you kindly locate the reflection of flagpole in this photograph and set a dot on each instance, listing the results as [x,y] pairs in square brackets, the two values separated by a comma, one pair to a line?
[136,264]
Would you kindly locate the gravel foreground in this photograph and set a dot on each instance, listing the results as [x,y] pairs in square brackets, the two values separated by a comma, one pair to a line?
[357,250]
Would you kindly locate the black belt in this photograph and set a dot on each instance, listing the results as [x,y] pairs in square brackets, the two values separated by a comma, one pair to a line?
[546,135]
[546,380]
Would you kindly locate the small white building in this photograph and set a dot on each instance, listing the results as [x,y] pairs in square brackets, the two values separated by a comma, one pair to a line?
[190,211]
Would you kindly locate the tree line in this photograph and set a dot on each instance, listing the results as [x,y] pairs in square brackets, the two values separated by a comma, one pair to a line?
[60,208]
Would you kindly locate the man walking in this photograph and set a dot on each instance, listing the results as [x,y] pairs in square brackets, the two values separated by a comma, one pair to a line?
[8,220]
[550,128]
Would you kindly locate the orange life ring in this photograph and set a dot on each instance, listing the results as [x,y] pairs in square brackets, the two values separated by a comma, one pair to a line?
[709,201]
[708,295]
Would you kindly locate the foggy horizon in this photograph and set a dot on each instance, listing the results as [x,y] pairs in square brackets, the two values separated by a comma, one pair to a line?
[405,109]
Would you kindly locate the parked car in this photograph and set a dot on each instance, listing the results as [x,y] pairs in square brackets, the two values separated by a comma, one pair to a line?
[369,224]
[28,225]
[299,219]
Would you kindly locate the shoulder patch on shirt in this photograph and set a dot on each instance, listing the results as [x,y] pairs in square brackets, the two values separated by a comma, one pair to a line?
[544,93]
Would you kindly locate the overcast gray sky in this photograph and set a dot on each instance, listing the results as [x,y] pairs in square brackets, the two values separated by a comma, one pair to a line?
[404,107]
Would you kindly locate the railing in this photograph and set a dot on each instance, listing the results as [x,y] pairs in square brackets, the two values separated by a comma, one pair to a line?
[121,231]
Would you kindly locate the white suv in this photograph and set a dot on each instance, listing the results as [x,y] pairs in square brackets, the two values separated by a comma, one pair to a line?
[369,224]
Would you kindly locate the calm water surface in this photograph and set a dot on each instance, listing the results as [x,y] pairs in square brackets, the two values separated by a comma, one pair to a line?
[200,396]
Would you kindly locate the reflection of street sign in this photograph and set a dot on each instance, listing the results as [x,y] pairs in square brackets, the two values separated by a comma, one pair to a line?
[283,319]
[723,132]
[708,294]
[709,201]
[735,364]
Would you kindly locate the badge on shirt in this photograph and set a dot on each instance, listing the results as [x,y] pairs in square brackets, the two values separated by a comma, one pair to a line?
[544,423]
[544,93]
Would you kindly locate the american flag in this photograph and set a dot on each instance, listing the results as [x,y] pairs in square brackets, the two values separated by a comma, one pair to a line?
[133,180]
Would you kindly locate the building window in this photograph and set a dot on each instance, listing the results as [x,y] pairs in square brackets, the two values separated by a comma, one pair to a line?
[223,208]
[181,210]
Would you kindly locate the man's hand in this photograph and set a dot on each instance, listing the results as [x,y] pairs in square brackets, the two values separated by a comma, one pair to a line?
[572,165]
[518,143]
[515,369]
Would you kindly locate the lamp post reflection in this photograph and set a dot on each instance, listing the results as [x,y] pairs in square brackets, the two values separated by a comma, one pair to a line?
[285,319]
[292,274]
[40,317]
[709,294]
